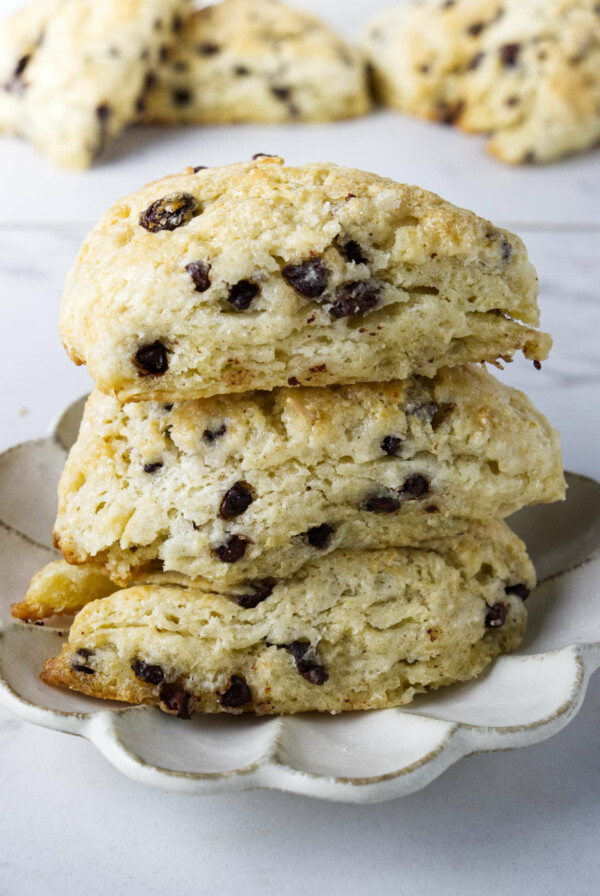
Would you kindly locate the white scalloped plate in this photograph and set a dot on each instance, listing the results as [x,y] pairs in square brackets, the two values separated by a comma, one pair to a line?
[355,757]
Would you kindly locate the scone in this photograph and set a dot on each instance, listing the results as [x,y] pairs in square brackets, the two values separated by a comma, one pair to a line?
[353,630]
[75,72]
[60,588]
[257,60]
[247,488]
[256,275]
[526,72]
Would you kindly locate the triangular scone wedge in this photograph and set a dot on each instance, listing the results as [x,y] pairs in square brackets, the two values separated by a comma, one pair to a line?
[525,72]
[258,274]
[60,588]
[74,72]
[354,630]
[257,60]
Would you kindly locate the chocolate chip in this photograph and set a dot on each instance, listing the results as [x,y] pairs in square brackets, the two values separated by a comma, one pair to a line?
[176,699]
[237,694]
[16,84]
[509,54]
[181,96]
[177,23]
[198,271]
[513,101]
[309,278]
[233,549]
[103,113]
[307,662]
[381,504]
[432,508]
[537,365]
[152,468]
[475,61]
[391,445]
[85,652]
[519,589]
[148,672]
[359,297]
[354,253]
[319,536]
[240,71]
[78,667]
[198,168]
[529,158]
[263,155]
[168,407]
[449,113]
[425,412]
[236,501]
[475,29]
[208,49]
[170,212]
[163,53]
[260,593]
[415,486]
[242,294]
[151,360]
[293,381]
[211,435]
[282,93]
[495,616]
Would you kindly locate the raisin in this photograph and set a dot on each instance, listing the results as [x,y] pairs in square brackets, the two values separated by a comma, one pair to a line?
[381,504]
[177,700]
[237,694]
[355,298]
[391,445]
[233,549]
[151,360]
[309,278]
[152,468]
[242,294]
[495,616]
[237,500]
[415,486]
[211,435]
[170,212]
[521,590]
[307,663]
[354,253]
[319,536]
[260,593]
[198,271]
[148,672]
[509,54]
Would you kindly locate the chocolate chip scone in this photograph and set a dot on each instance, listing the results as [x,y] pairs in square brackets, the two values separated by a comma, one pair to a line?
[353,630]
[527,72]
[257,60]
[75,72]
[248,488]
[257,275]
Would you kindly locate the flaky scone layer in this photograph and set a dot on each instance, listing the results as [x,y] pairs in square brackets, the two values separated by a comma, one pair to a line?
[256,275]
[353,630]
[247,487]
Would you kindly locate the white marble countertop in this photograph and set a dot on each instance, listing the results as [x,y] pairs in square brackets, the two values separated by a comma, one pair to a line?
[520,822]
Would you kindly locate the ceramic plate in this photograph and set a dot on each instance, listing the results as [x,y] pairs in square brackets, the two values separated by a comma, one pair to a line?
[355,757]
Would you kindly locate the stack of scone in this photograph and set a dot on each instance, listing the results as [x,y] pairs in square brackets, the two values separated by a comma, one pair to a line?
[288,489]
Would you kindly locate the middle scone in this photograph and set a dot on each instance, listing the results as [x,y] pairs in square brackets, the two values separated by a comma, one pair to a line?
[251,487]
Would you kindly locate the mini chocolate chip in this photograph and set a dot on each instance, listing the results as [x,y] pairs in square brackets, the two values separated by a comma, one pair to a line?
[233,549]
[282,93]
[211,435]
[78,667]
[432,508]
[181,96]
[391,445]
[537,365]
[208,49]
[415,486]
[170,212]
[495,616]
[319,536]
[237,694]
[449,113]
[475,29]
[260,593]
[509,54]
[263,155]
[16,84]
[381,504]
[358,297]
[151,360]
[177,23]
[354,253]
[168,407]
[237,500]
[163,53]
[307,663]
[513,100]
[519,589]
[177,700]
[198,168]
[242,294]
[148,672]
[198,271]
[240,71]
[85,652]
[103,113]
[293,381]
[309,278]
[425,412]
[152,468]
[475,61]
[529,158]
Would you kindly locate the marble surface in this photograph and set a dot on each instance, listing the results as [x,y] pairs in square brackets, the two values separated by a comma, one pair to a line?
[525,821]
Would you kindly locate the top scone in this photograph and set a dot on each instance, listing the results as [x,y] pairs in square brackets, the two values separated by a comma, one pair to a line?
[257,275]
[74,72]
[525,71]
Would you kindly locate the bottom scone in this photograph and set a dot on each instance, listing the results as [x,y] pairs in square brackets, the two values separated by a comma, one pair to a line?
[354,630]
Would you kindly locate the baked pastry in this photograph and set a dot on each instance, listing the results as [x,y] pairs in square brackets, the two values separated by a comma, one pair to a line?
[74,72]
[257,275]
[257,60]
[244,488]
[526,72]
[60,588]
[353,630]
